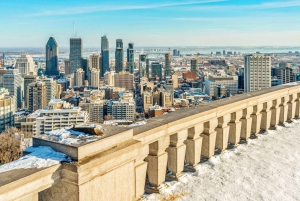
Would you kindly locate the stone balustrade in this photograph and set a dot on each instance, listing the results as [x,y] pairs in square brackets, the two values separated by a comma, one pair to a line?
[122,166]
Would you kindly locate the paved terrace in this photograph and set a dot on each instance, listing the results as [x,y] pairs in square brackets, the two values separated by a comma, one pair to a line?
[116,166]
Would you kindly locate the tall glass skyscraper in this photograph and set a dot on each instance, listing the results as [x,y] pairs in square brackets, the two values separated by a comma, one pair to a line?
[104,56]
[130,57]
[51,57]
[75,54]
[168,70]
[119,56]
[142,65]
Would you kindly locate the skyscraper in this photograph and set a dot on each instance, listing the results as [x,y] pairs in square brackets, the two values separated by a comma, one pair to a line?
[67,66]
[194,65]
[51,57]
[156,70]
[25,64]
[95,61]
[168,70]
[257,72]
[104,56]
[142,65]
[75,54]
[27,80]
[7,109]
[130,58]
[119,56]
[37,96]
[94,81]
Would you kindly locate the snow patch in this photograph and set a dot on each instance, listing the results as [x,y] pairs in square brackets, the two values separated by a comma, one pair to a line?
[68,136]
[39,157]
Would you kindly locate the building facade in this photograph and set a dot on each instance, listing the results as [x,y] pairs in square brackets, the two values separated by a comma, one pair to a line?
[124,79]
[119,56]
[194,65]
[79,77]
[104,56]
[257,72]
[7,109]
[25,64]
[229,82]
[52,58]
[13,81]
[75,54]
[37,94]
[156,70]
[130,58]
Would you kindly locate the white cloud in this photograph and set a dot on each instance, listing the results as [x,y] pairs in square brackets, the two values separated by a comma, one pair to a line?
[101,8]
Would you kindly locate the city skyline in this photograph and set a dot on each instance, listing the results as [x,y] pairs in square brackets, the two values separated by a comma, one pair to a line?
[159,23]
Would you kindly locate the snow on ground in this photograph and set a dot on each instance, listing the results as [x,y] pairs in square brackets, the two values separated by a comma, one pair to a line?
[68,136]
[267,168]
[39,157]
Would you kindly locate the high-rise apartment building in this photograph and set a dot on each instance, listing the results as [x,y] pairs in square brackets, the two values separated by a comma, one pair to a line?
[257,72]
[37,96]
[67,66]
[284,73]
[7,109]
[86,68]
[79,77]
[194,65]
[109,78]
[156,70]
[94,80]
[13,81]
[51,88]
[95,108]
[25,64]
[51,57]
[75,54]
[168,70]
[104,56]
[130,58]
[27,80]
[124,79]
[119,56]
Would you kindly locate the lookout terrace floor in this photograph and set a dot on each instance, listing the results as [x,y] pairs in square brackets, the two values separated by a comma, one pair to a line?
[266,168]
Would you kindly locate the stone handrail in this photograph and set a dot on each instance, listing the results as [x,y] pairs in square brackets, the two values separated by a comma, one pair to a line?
[123,165]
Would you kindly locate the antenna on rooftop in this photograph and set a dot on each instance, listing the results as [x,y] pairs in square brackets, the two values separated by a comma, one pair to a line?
[73,29]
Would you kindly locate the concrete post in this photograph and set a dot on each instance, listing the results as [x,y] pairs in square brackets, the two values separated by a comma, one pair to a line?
[275,113]
[246,123]
[297,111]
[291,107]
[209,138]
[283,110]
[235,128]
[176,155]
[256,119]
[222,132]
[140,167]
[157,164]
[193,147]
[266,116]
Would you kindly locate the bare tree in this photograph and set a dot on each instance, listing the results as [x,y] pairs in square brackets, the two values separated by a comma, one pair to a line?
[10,141]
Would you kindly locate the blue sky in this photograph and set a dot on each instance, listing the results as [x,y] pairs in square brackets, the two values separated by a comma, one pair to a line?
[29,23]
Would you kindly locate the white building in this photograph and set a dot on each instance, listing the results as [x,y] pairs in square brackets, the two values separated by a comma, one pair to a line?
[59,114]
[109,78]
[51,88]
[123,109]
[7,109]
[95,77]
[230,82]
[25,64]
[13,81]
[79,77]
[257,72]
